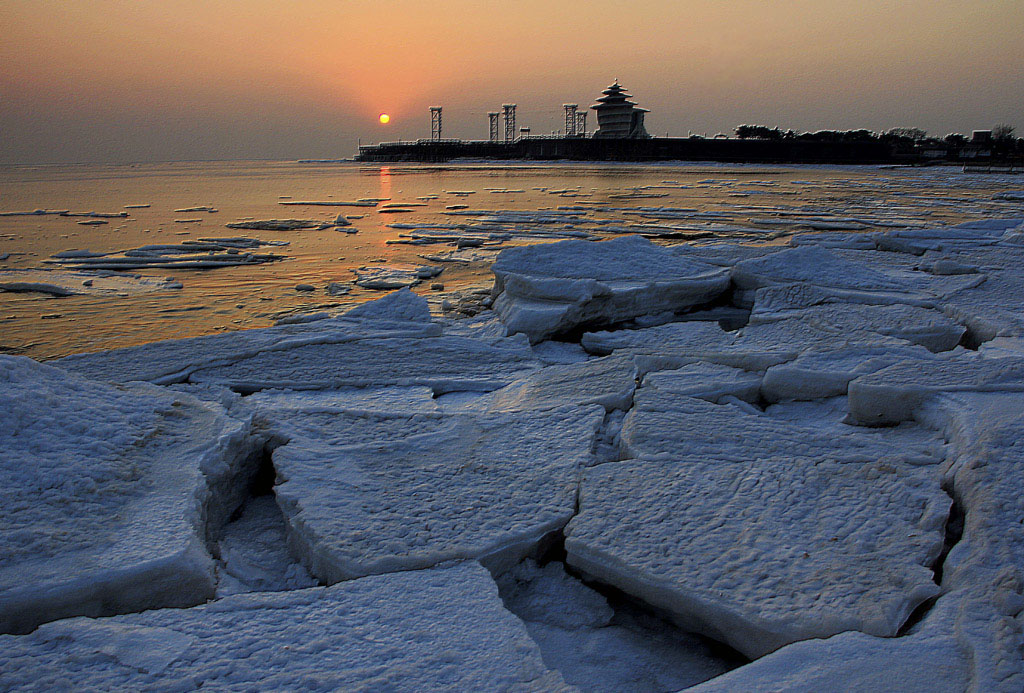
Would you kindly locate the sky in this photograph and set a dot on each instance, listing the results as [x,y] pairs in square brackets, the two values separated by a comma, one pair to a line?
[136,81]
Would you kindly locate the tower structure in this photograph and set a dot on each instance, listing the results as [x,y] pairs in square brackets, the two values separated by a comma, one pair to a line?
[492,126]
[617,116]
[570,118]
[435,122]
[581,124]
[509,111]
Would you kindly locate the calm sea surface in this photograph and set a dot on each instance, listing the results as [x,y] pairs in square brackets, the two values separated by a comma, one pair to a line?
[686,202]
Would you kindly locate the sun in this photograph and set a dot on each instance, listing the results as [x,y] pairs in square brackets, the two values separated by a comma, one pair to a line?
[385,119]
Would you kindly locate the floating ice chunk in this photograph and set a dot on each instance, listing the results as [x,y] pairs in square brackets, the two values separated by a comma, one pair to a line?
[329,203]
[401,305]
[543,290]
[394,276]
[107,494]
[765,552]
[280,224]
[201,254]
[487,487]
[441,629]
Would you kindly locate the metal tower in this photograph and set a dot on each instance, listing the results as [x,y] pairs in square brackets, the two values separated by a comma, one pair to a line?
[435,122]
[570,118]
[509,111]
[492,122]
[581,124]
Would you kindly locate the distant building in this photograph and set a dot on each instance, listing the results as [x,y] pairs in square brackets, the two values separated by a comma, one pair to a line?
[981,137]
[617,116]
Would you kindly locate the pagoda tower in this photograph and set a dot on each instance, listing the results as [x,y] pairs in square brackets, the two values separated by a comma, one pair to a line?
[617,116]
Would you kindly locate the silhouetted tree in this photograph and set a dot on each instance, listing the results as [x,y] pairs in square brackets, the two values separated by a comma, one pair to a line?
[913,134]
[1003,132]
[761,132]
[955,139]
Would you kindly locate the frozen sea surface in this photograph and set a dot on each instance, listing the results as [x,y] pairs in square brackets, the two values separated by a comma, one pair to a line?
[585,476]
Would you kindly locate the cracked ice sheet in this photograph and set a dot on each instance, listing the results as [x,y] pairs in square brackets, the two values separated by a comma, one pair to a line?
[424,489]
[762,553]
[105,494]
[401,314]
[543,290]
[435,629]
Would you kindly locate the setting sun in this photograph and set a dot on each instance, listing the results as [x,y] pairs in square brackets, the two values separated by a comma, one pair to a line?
[384,118]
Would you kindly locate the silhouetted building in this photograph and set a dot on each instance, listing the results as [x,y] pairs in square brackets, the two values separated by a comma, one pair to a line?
[617,116]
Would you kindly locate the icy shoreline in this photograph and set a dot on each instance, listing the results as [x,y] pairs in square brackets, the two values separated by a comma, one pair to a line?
[830,490]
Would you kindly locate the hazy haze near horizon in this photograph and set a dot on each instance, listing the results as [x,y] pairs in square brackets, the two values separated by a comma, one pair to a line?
[118,81]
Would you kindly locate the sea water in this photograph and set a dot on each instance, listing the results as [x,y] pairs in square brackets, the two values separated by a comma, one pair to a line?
[695,203]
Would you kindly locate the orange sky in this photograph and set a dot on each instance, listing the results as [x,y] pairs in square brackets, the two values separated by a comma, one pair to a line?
[119,80]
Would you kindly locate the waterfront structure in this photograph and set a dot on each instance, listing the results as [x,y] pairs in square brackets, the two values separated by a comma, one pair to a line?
[435,123]
[617,116]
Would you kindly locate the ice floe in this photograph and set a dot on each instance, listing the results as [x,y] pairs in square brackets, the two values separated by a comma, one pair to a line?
[547,290]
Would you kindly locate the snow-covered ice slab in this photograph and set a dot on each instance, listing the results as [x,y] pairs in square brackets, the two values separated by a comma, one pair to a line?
[893,394]
[106,495]
[441,629]
[709,381]
[666,426]
[766,551]
[401,314]
[374,494]
[609,382]
[827,373]
[675,344]
[444,364]
[829,269]
[544,290]
[840,322]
